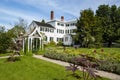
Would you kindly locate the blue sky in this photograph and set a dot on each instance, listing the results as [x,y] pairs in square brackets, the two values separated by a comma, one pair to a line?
[12,10]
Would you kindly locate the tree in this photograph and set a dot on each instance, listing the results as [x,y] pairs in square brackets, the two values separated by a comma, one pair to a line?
[110,22]
[5,41]
[19,27]
[86,28]
[2,29]
[43,21]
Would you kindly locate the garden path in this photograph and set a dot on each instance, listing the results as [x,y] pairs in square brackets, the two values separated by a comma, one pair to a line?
[111,76]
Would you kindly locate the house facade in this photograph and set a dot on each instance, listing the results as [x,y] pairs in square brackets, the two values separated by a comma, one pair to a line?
[56,30]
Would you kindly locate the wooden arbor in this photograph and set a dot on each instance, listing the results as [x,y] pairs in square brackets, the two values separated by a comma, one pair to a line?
[33,40]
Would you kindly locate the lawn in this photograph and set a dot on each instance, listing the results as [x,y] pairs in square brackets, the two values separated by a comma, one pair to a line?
[30,68]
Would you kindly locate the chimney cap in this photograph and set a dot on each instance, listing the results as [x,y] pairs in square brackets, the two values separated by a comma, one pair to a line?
[62,18]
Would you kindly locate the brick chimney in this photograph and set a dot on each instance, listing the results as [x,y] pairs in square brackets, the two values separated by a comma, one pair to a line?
[52,15]
[62,18]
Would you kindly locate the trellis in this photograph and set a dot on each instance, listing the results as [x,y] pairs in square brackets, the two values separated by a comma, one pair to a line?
[33,40]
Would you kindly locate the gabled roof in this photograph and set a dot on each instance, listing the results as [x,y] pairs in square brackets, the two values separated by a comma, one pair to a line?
[43,24]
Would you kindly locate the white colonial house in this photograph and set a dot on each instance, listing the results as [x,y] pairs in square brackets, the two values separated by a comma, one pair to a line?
[56,30]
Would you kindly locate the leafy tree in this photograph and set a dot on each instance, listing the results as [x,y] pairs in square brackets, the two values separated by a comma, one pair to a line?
[110,22]
[43,21]
[5,42]
[87,29]
[2,29]
[19,27]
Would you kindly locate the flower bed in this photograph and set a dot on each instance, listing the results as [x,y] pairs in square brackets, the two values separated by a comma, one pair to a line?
[111,62]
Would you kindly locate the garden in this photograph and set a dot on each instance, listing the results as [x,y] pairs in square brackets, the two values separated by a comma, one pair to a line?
[109,57]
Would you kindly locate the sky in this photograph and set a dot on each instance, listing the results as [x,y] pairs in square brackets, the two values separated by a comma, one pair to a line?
[29,10]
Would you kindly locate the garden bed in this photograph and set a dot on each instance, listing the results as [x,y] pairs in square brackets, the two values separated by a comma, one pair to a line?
[110,56]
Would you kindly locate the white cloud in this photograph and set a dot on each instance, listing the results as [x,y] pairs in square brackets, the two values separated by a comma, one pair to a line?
[17,14]
[70,7]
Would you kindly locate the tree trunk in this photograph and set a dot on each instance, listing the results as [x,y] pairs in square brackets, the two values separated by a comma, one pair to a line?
[109,43]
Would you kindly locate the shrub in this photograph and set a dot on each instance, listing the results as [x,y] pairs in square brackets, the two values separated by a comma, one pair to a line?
[59,56]
[60,43]
[51,43]
[13,59]
[87,67]
[5,42]
[110,66]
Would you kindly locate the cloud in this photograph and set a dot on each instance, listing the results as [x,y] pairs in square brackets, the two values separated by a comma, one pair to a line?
[40,9]
[17,14]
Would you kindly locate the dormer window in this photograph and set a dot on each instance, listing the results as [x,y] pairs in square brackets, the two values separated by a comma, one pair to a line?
[58,23]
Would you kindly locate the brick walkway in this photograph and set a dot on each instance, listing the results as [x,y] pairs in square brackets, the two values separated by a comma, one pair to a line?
[111,76]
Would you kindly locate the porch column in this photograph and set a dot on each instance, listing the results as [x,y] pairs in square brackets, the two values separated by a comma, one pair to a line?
[31,44]
[36,43]
[23,45]
[40,43]
[28,44]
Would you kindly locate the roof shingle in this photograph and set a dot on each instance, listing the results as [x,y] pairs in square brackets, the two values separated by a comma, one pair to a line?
[43,24]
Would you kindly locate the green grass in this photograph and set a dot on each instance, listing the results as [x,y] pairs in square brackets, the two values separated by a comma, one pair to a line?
[5,54]
[30,68]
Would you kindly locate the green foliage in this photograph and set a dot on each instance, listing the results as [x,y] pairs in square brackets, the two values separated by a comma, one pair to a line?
[43,21]
[87,30]
[60,43]
[59,56]
[88,65]
[51,43]
[13,59]
[2,29]
[5,42]
[102,26]
[110,66]
[109,55]
[110,20]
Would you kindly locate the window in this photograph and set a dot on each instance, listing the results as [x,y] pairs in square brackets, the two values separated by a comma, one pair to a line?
[62,24]
[48,30]
[51,38]
[71,31]
[66,38]
[68,31]
[63,31]
[73,24]
[40,28]
[68,24]
[45,38]
[58,23]
[45,29]
[52,30]
[59,39]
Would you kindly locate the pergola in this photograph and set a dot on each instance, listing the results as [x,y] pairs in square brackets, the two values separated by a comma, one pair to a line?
[33,40]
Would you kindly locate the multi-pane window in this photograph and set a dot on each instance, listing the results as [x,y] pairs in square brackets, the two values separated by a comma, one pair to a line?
[60,39]
[66,38]
[60,24]
[51,38]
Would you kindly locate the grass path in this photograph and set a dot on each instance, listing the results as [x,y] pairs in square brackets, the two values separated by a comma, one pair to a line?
[101,73]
